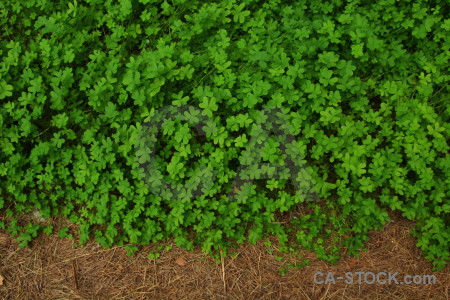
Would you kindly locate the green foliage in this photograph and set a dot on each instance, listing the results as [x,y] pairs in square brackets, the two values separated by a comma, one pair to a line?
[144,120]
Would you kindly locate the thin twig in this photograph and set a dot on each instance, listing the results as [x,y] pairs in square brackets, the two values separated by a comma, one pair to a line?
[42,132]
[74,275]
[223,270]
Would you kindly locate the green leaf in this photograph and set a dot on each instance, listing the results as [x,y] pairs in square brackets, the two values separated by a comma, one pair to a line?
[5,90]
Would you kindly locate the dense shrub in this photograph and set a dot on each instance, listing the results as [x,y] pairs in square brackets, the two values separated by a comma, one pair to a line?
[348,97]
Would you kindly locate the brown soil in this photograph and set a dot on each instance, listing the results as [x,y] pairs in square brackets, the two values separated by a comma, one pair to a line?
[52,268]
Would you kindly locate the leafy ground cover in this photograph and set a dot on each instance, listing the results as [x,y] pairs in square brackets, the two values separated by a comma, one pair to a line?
[208,123]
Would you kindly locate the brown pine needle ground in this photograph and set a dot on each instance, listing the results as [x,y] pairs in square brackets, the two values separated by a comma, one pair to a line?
[53,269]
